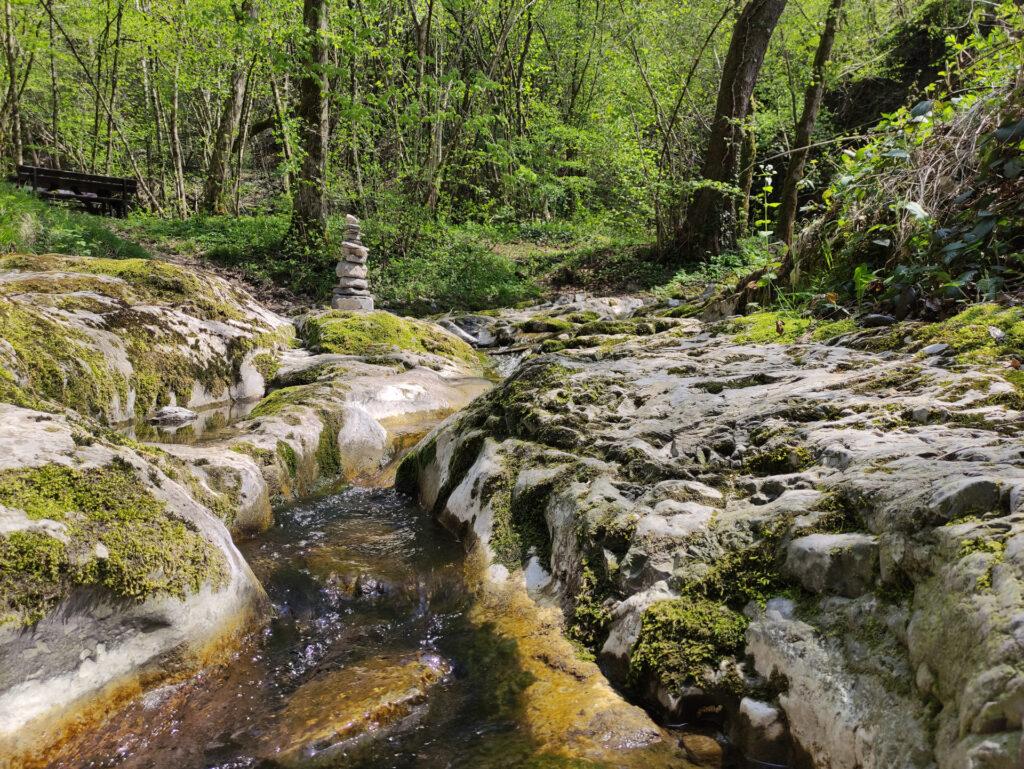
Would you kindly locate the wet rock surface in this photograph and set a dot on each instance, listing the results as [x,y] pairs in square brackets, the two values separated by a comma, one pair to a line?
[428,667]
[827,530]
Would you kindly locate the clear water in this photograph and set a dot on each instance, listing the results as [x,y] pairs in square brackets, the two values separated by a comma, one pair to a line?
[355,578]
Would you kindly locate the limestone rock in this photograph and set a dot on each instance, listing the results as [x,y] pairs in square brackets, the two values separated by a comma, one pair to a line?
[350,270]
[760,732]
[840,564]
[173,415]
[91,640]
[335,715]
[352,303]
[672,461]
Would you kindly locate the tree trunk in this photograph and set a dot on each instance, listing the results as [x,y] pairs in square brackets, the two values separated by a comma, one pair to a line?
[113,91]
[215,194]
[309,204]
[748,157]
[174,138]
[804,129]
[214,201]
[13,106]
[710,224]
[286,142]
[54,99]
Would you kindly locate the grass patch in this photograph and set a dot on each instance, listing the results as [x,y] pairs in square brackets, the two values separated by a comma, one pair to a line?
[30,225]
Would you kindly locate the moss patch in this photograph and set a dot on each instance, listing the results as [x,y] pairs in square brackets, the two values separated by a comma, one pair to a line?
[682,639]
[763,327]
[57,363]
[378,333]
[267,364]
[118,536]
[778,460]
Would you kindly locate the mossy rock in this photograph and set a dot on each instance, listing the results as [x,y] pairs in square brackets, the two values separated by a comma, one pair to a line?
[379,333]
[114,534]
[683,639]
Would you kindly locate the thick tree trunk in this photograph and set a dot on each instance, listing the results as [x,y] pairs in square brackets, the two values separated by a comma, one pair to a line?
[309,204]
[710,224]
[804,129]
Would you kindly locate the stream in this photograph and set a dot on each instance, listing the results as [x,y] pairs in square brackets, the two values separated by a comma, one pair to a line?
[363,583]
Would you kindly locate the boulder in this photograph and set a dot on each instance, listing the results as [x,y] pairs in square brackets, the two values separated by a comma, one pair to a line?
[838,564]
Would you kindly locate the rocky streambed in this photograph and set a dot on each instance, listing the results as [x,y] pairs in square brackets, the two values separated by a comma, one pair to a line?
[165,603]
[818,544]
[796,552]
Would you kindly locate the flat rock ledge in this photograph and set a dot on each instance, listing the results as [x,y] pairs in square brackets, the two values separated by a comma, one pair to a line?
[820,546]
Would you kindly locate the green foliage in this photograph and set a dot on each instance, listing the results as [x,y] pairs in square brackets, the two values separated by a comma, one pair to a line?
[887,229]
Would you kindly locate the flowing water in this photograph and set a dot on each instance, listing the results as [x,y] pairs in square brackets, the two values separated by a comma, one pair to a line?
[369,615]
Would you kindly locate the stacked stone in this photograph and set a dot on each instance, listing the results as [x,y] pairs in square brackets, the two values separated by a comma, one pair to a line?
[353,289]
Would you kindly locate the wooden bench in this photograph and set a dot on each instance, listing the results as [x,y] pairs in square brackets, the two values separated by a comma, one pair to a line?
[107,195]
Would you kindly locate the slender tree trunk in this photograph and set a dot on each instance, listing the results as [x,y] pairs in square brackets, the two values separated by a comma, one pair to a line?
[115,64]
[804,130]
[710,224]
[286,142]
[175,141]
[309,203]
[54,98]
[243,138]
[213,201]
[748,157]
[13,95]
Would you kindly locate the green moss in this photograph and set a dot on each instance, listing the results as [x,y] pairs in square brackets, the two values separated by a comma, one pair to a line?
[762,327]
[589,622]
[837,513]
[994,549]
[778,460]
[31,565]
[833,329]
[682,639]
[328,457]
[57,363]
[148,551]
[968,332]
[11,392]
[267,364]
[288,457]
[263,456]
[281,400]
[378,333]
[407,479]
[545,325]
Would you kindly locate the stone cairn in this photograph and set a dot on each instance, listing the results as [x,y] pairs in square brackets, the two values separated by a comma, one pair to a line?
[353,289]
